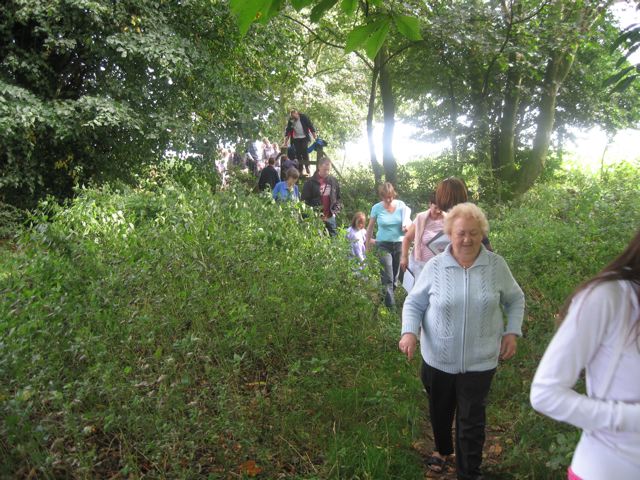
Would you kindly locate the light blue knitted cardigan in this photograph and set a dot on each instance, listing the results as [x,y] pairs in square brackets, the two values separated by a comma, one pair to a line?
[460,314]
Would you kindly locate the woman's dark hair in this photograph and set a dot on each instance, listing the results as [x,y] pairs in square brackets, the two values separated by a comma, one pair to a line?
[625,266]
[450,192]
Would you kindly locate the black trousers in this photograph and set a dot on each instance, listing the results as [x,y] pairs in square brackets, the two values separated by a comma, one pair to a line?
[302,155]
[463,395]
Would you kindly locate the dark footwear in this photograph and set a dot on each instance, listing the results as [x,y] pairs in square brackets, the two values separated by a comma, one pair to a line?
[436,464]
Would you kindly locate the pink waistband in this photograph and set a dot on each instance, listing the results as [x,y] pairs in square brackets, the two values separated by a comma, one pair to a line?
[571,475]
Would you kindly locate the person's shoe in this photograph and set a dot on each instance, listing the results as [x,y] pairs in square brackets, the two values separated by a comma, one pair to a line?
[436,464]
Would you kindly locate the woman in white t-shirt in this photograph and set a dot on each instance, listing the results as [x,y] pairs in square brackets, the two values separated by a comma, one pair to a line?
[600,333]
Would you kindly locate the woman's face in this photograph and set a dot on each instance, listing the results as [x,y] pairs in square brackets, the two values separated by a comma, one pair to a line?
[387,200]
[466,237]
[434,211]
[291,182]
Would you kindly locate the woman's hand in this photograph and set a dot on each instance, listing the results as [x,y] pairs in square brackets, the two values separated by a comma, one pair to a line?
[407,344]
[404,262]
[508,346]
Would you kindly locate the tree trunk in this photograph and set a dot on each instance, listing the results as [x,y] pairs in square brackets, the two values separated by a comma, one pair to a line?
[453,119]
[375,165]
[389,109]
[557,69]
[505,165]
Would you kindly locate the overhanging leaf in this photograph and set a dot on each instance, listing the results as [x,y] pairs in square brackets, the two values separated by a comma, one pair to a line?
[349,6]
[624,84]
[320,9]
[377,38]
[300,4]
[631,33]
[275,7]
[615,78]
[247,11]
[357,36]
[408,26]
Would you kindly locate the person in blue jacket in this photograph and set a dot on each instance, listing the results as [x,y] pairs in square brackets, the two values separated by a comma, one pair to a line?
[288,189]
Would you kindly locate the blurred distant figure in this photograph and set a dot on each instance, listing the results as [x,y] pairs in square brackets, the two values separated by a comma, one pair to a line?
[286,164]
[299,132]
[268,176]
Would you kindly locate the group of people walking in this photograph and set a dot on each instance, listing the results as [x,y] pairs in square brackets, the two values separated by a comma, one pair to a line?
[466,309]
[270,161]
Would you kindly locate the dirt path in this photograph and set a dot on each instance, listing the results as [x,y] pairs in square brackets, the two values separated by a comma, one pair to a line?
[493,449]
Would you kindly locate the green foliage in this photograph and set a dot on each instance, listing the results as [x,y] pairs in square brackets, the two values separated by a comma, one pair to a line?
[96,91]
[172,330]
[370,36]
[167,331]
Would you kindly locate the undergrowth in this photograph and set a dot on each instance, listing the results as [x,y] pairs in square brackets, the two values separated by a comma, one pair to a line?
[171,331]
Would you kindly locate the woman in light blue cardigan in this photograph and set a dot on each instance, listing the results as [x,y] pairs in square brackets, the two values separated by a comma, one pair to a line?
[458,306]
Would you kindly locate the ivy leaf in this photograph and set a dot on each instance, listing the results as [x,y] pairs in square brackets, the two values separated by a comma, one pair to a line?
[357,36]
[375,41]
[408,26]
[248,11]
[349,6]
[320,9]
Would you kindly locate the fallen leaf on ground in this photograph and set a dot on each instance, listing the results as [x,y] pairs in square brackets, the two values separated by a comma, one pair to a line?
[250,468]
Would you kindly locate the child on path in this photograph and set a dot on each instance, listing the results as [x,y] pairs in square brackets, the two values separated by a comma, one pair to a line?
[357,235]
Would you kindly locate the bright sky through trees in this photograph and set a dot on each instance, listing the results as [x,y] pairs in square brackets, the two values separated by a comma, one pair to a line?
[586,146]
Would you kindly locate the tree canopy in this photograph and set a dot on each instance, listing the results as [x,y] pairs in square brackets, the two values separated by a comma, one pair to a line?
[93,90]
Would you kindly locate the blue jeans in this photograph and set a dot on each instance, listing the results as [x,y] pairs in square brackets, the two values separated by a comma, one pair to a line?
[389,254]
[332,228]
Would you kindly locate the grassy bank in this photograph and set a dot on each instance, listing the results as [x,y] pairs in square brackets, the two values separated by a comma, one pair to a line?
[169,331]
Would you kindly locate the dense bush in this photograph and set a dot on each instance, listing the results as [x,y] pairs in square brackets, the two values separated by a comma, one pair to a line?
[168,332]
[558,235]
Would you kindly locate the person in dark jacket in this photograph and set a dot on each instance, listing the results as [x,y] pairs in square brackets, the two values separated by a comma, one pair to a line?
[323,191]
[268,176]
[299,132]
[286,163]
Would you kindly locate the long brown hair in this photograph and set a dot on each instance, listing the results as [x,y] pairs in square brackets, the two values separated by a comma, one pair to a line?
[625,266]
[450,192]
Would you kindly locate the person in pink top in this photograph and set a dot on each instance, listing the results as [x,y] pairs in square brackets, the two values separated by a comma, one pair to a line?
[427,225]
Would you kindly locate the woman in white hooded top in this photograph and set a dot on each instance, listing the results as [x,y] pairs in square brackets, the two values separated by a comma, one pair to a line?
[600,333]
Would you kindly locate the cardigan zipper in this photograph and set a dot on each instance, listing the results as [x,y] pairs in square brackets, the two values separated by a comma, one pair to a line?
[464,323]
